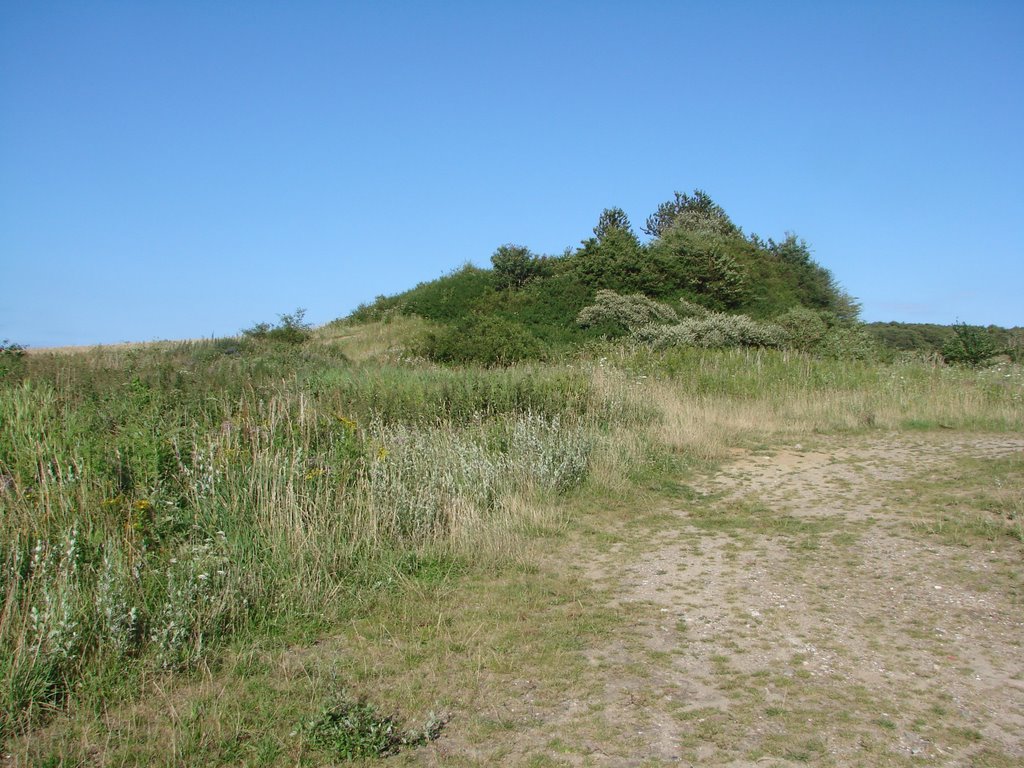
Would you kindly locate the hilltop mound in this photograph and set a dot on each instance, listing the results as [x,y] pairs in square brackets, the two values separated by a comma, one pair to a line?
[694,254]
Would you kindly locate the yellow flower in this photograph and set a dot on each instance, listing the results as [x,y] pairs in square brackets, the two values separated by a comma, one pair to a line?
[346,423]
[314,473]
[142,505]
[382,453]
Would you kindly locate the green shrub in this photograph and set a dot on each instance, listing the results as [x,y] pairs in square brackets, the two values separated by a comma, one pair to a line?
[697,212]
[848,341]
[448,299]
[703,265]
[824,333]
[969,345]
[485,340]
[925,338]
[11,358]
[803,328]
[515,266]
[291,329]
[547,307]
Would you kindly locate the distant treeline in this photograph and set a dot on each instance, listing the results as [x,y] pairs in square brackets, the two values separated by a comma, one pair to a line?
[929,338]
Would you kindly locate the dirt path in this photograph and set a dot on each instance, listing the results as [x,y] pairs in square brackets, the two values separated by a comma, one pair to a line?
[803,610]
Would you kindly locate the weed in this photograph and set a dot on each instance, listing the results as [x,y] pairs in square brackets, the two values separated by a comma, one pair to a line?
[353,728]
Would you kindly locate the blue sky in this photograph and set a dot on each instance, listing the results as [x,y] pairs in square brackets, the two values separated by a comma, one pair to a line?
[177,170]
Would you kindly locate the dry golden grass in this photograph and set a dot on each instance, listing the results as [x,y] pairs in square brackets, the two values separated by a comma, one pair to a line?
[373,341]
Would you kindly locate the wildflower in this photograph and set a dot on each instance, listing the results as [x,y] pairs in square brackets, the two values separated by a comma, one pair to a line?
[348,424]
[382,453]
[142,505]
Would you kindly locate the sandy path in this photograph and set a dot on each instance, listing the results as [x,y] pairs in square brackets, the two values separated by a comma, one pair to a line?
[794,616]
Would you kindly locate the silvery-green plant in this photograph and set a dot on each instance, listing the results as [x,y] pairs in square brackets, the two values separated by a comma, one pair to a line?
[558,455]
[196,598]
[117,615]
[715,330]
[626,312]
[690,309]
[54,619]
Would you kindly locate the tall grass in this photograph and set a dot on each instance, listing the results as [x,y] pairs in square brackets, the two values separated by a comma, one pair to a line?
[709,401]
[158,500]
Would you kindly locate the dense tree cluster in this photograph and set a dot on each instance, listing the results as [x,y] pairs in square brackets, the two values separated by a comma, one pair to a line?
[695,255]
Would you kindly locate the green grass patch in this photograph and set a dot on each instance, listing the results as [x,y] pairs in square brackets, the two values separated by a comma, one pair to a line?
[977,501]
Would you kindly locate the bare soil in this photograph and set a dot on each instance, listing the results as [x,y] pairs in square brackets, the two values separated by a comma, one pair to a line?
[825,604]
[799,610]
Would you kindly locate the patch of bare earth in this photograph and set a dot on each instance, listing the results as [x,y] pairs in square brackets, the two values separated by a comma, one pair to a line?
[792,614]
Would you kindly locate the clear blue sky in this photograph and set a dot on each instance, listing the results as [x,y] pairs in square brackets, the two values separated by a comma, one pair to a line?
[182,169]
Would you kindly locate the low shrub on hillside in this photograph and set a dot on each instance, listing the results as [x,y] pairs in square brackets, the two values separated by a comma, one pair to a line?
[690,309]
[823,333]
[803,328]
[661,326]
[625,313]
[514,266]
[715,331]
[483,340]
[290,329]
[845,341]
